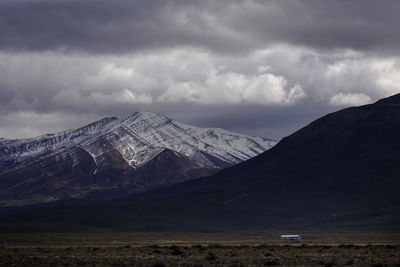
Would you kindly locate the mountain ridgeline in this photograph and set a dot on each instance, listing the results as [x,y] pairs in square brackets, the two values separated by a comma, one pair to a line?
[339,172]
[114,157]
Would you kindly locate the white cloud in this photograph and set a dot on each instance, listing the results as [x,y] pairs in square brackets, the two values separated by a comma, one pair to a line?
[279,76]
[267,89]
[235,88]
[112,77]
[355,99]
[388,75]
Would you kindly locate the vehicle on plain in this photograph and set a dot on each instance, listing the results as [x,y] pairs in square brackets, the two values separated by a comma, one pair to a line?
[291,237]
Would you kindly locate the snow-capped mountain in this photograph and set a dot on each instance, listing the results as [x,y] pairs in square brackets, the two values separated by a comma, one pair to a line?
[139,138]
[116,156]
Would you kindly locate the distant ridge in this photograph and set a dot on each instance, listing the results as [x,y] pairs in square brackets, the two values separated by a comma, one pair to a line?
[112,157]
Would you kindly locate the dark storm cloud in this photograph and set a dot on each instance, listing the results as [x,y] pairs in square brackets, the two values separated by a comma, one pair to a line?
[120,26]
[359,25]
[98,26]
[74,25]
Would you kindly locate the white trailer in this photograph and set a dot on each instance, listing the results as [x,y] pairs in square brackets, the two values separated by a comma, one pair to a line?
[296,238]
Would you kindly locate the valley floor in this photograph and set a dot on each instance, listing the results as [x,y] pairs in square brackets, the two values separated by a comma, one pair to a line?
[198,249]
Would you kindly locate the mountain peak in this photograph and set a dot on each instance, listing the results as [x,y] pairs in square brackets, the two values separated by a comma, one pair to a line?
[144,115]
[143,120]
[100,123]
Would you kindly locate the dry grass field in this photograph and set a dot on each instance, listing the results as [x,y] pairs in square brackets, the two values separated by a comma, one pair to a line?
[198,249]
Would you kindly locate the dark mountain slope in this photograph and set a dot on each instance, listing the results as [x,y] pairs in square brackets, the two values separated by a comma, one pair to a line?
[71,173]
[349,158]
[169,167]
[342,171]
[53,174]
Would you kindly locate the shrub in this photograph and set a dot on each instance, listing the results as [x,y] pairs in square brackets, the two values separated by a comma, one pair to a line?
[271,263]
[177,252]
[211,256]
[215,246]
[346,246]
[159,264]
[199,247]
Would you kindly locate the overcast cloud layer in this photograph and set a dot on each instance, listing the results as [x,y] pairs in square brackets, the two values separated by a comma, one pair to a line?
[257,67]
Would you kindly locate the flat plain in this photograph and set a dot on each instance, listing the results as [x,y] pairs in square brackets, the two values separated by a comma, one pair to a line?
[199,249]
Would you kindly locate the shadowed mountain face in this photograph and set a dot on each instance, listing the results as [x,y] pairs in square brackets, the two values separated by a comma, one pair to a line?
[339,172]
[114,157]
[71,173]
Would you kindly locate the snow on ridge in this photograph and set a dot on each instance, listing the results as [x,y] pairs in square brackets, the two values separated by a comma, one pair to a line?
[26,148]
[140,137]
[228,143]
[160,131]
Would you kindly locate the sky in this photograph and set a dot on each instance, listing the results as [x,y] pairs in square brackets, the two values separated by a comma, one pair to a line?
[263,68]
